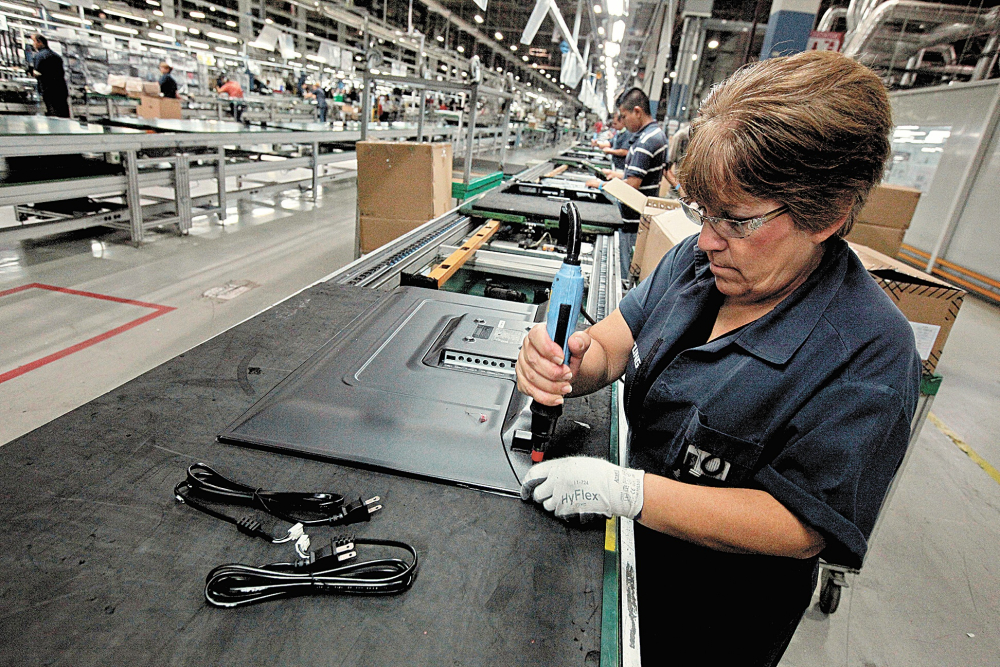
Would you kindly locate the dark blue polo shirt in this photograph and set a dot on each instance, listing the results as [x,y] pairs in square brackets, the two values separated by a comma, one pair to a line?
[811,403]
[622,139]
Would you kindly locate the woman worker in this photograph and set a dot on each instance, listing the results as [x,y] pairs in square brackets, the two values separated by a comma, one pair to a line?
[769,382]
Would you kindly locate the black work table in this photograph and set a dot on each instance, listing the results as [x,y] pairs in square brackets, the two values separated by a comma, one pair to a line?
[101,566]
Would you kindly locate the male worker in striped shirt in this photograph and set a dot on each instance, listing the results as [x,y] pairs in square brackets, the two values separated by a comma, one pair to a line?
[643,163]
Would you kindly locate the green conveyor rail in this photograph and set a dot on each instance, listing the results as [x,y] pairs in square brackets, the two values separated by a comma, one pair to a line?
[460,190]
[610,644]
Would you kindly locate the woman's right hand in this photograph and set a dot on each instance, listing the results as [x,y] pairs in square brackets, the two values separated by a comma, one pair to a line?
[541,373]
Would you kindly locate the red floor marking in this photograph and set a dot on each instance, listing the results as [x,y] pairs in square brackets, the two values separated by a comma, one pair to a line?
[38,363]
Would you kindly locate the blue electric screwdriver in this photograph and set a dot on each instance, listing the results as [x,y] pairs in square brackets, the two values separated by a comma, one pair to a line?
[565,301]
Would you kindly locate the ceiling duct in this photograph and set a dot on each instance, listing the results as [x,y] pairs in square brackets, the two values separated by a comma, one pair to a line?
[889,34]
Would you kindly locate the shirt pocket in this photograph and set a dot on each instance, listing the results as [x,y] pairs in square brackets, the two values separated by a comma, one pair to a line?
[709,457]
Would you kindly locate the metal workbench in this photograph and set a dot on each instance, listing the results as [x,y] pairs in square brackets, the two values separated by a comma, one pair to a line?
[179,151]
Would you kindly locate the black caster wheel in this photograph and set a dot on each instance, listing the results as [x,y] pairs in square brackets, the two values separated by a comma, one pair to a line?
[829,595]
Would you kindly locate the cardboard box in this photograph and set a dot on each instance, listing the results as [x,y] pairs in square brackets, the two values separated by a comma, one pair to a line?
[886,240]
[930,304]
[890,206]
[652,240]
[666,230]
[158,107]
[133,86]
[376,232]
[403,180]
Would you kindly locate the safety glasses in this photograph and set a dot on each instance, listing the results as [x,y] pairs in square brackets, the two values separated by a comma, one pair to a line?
[728,227]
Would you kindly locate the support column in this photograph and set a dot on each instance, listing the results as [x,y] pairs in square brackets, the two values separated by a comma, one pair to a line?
[470,143]
[663,51]
[788,27]
[220,175]
[246,20]
[132,197]
[167,7]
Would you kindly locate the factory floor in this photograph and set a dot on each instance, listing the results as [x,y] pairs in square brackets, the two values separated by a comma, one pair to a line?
[929,594]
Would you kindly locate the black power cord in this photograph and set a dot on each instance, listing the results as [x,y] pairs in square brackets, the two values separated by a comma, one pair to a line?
[331,569]
[206,490]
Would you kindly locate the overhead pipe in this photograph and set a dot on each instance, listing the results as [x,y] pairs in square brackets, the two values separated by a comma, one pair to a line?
[912,10]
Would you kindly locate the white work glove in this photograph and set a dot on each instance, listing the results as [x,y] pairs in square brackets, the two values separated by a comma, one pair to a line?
[580,487]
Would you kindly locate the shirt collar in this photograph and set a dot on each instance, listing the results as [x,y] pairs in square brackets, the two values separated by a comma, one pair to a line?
[776,336]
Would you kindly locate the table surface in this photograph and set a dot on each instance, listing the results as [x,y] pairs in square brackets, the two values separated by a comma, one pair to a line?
[190,125]
[103,567]
[45,125]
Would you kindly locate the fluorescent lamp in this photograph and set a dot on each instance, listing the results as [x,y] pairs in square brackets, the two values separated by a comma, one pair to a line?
[498,35]
[524,58]
[479,19]
[124,15]
[196,15]
[616,7]
[71,19]
[175,26]
[222,38]
[618,31]
[315,59]
[713,43]
[440,38]
[231,24]
[460,49]
[121,29]
[612,49]
[600,30]
[153,2]
[157,12]
[226,49]
[597,9]
[195,44]
[19,8]
[312,67]
[194,31]
[160,37]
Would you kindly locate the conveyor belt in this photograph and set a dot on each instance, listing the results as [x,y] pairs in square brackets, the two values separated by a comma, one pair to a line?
[541,209]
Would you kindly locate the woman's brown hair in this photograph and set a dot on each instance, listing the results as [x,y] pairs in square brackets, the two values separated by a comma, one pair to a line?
[811,131]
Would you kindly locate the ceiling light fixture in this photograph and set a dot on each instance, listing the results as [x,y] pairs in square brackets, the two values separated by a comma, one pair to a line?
[498,35]
[618,31]
[175,26]
[460,49]
[196,15]
[597,9]
[222,38]
[121,29]
[479,19]
[713,43]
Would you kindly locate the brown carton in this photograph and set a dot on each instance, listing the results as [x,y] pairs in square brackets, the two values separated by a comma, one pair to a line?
[886,240]
[376,232]
[654,239]
[666,229]
[158,107]
[400,180]
[890,206]
[929,304]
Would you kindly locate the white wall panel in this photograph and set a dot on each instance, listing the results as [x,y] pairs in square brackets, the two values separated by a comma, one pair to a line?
[963,107]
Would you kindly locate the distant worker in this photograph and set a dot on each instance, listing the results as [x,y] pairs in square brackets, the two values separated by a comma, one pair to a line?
[48,67]
[643,162]
[620,143]
[168,86]
[235,93]
[319,95]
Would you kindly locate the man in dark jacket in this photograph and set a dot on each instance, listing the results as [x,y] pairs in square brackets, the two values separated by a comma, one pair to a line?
[48,68]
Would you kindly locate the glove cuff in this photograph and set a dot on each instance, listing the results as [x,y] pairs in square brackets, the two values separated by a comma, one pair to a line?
[631,493]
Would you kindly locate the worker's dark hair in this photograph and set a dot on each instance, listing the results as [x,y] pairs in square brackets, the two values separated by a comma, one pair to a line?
[810,131]
[634,98]
[41,40]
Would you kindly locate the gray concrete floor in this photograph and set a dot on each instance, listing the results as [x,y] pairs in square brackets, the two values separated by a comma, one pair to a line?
[929,594]
[274,252]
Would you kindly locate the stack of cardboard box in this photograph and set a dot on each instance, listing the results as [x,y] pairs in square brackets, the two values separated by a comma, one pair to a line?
[929,304]
[401,185]
[884,220]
